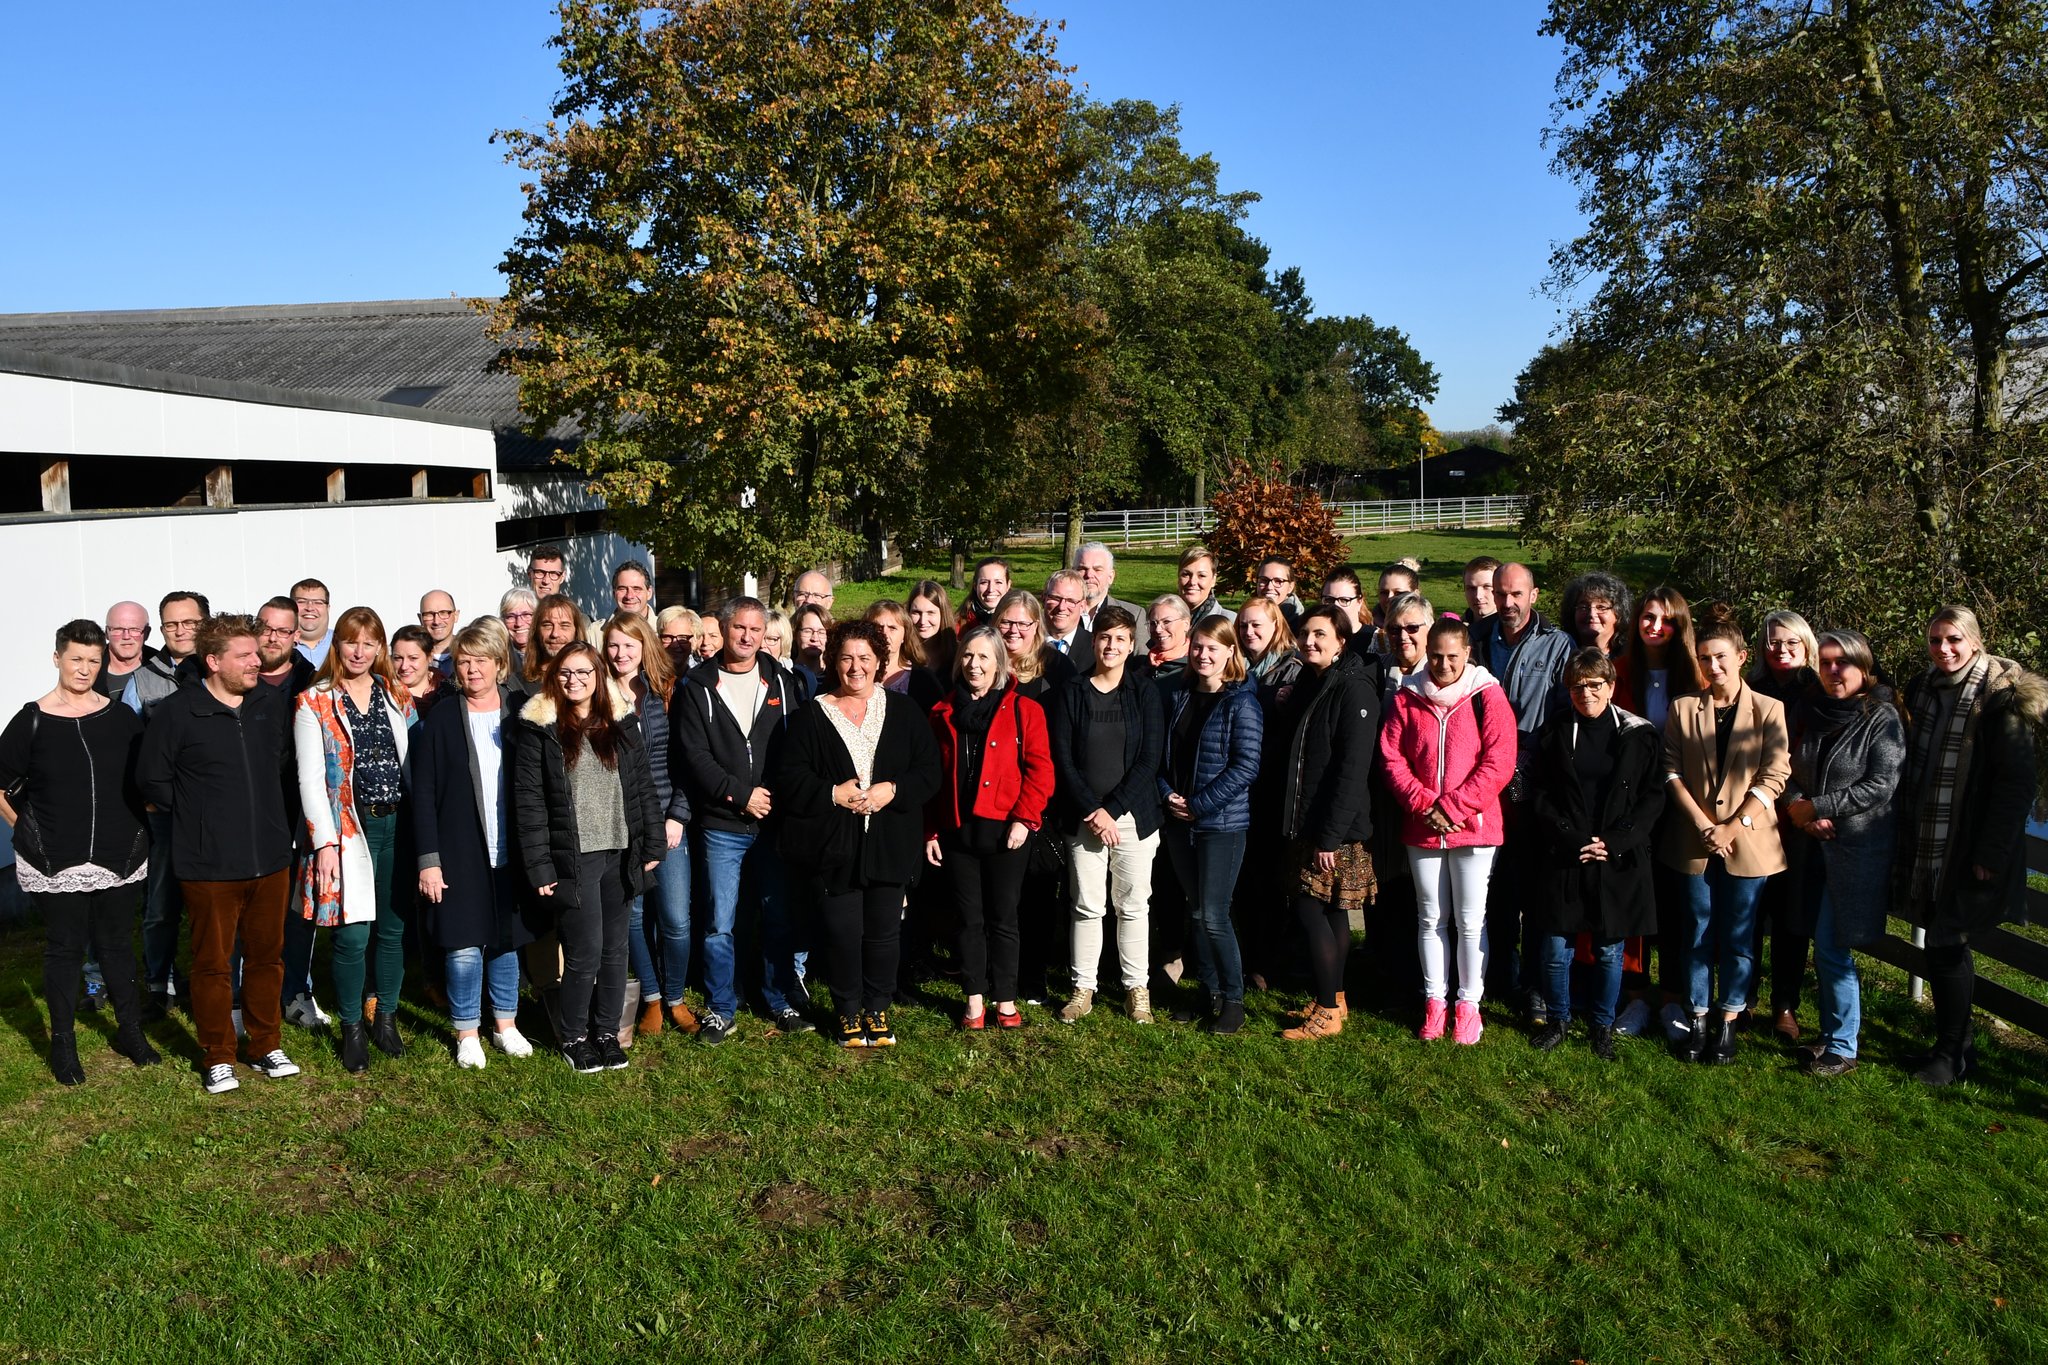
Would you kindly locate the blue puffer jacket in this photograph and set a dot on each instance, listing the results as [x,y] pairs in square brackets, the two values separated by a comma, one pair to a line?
[1226,760]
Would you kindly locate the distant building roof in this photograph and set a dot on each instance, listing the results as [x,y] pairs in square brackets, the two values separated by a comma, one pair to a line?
[429,354]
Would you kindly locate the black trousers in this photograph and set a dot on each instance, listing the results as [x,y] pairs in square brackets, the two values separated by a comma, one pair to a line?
[863,939]
[1778,914]
[103,920]
[986,887]
[1952,978]
[594,948]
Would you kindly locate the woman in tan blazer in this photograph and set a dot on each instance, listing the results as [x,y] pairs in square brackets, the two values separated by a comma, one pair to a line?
[1726,759]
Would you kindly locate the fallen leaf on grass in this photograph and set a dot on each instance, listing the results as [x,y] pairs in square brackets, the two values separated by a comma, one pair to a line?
[1503,1142]
[1998,1303]
[1995,1128]
[652,1183]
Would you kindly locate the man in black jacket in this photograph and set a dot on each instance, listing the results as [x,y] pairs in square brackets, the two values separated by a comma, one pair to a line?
[726,726]
[219,758]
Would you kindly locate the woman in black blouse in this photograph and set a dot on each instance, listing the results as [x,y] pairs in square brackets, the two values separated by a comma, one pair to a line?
[79,844]
[854,774]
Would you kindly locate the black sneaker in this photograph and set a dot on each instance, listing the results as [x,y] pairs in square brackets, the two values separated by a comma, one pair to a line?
[1601,1040]
[275,1064]
[790,1019]
[1549,1036]
[876,1022]
[582,1057]
[712,1028]
[850,1032]
[219,1079]
[609,1052]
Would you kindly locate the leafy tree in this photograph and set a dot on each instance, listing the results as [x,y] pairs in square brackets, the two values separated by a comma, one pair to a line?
[782,259]
[1344,393]
[1813,254]
[1260,514]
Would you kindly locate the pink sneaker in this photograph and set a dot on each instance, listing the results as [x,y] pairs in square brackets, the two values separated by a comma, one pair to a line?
[1432,1021]
[1468,1028]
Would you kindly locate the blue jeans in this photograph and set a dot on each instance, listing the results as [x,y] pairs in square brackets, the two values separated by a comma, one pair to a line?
[1724,909]
[1841,990]
[469,970]
[161,911]
[1557,994]
[733,862]
[1207,866]
[671,929]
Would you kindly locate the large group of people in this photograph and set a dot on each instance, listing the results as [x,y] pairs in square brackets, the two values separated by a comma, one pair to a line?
[1606,816]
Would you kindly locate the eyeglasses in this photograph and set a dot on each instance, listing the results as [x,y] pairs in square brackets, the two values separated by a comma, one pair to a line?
[1015,627]
[515,616]
[309,601]
[1415,629]
[170,626]
[580,674]
[127,630]
[279,632]
[1591,686]
[1065,601]
[435,615]
[1333,600]
[1274,582]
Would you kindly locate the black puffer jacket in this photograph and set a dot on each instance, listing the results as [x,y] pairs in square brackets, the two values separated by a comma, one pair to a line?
[544,810]
[1615,898]
[1335,725]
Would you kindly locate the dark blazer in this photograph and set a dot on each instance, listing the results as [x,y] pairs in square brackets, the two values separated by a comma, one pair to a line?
[447,812]
[1852,780]
[1137,794]
[1326,796]
[544,812]
[830,841]
[1614,899]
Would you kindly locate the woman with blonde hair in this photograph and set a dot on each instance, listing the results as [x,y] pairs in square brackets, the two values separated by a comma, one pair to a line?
[1214,734]
[351,729]
[1036,668]
[643,671]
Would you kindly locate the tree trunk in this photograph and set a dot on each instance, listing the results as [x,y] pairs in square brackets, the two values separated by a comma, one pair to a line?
[1072,550]
[959,565]
[1202,484]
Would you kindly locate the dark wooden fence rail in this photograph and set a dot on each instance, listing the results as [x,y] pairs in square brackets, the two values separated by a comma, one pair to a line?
[2000,945]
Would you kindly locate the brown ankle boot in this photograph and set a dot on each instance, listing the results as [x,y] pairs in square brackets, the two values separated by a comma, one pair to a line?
[1320,1023]
[682,1016]
[1343,1010]
[650,1019]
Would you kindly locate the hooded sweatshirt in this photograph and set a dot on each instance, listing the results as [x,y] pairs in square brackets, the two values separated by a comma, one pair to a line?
[1452,747]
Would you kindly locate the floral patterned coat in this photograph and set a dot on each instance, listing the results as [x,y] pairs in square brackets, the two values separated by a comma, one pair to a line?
[326,757]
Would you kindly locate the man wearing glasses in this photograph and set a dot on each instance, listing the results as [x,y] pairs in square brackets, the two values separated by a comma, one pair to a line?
[545,571]
[814,589]
[286,669]
[127,647]
[437,619]
[1066,594]
[1275,581]
[309,600]
[179,615]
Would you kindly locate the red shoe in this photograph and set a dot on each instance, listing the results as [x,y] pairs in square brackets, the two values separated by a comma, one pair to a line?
[974,1021]
[1015,1020]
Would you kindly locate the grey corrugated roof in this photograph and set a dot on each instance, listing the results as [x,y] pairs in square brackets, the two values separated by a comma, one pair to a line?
[362,351]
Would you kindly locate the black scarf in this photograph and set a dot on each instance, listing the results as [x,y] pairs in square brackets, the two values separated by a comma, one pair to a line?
[972,717]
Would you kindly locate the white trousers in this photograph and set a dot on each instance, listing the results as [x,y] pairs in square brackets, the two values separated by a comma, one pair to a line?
[1450,886]
[1123,874]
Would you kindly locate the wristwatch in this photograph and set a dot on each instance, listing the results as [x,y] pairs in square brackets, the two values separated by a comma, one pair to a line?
[1748,823]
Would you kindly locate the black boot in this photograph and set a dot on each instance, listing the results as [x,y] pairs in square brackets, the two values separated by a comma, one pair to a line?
[355,1047]
[1720,1046]
[1690,1045]
[1601,1041]
[130,1043]
[64,1059]
[1229,1019]
[384,1033]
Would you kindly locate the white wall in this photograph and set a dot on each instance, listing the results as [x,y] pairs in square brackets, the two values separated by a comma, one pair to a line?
[588,560]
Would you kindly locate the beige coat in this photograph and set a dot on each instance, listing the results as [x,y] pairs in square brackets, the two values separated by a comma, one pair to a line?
[1759,756]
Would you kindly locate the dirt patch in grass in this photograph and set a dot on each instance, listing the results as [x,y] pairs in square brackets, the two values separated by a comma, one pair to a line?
[1065,1146]
[795,1206]
[704,1146]
[800,1206]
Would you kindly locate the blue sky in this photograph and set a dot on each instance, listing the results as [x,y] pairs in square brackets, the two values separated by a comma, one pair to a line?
[294,154]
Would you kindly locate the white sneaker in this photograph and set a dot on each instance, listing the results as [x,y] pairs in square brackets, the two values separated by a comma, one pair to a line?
[1632,1019]
[276,1065]
[241,1031]
[511,1042]
[1677,1023]
[221,1079]
[305,1011]
[469,1052]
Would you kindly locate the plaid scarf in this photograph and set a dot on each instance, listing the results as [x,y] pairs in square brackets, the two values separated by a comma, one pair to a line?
[1938,758]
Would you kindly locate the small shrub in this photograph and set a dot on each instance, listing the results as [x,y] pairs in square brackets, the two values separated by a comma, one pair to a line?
[1260,515]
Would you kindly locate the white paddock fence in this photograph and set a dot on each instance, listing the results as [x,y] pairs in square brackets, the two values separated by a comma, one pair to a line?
[1182,525]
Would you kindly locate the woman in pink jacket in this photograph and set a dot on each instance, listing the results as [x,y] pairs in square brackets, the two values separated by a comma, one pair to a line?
[1449,748]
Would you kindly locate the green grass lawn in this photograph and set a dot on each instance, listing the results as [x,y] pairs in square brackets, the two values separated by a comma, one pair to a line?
[1093,1192]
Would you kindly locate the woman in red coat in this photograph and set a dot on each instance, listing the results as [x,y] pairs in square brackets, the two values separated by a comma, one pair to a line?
[1449,750]
[998,767]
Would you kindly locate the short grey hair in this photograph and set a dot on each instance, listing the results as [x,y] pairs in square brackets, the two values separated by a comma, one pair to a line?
[1403,603]
[517,597]
[734,606]
[1071,576]
[1093,545]
[1173,600]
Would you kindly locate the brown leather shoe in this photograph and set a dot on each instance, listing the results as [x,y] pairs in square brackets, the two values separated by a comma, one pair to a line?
[650,1019]
[1321,1023]
[1343,1010]
[1786,1026]
[682,1016]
